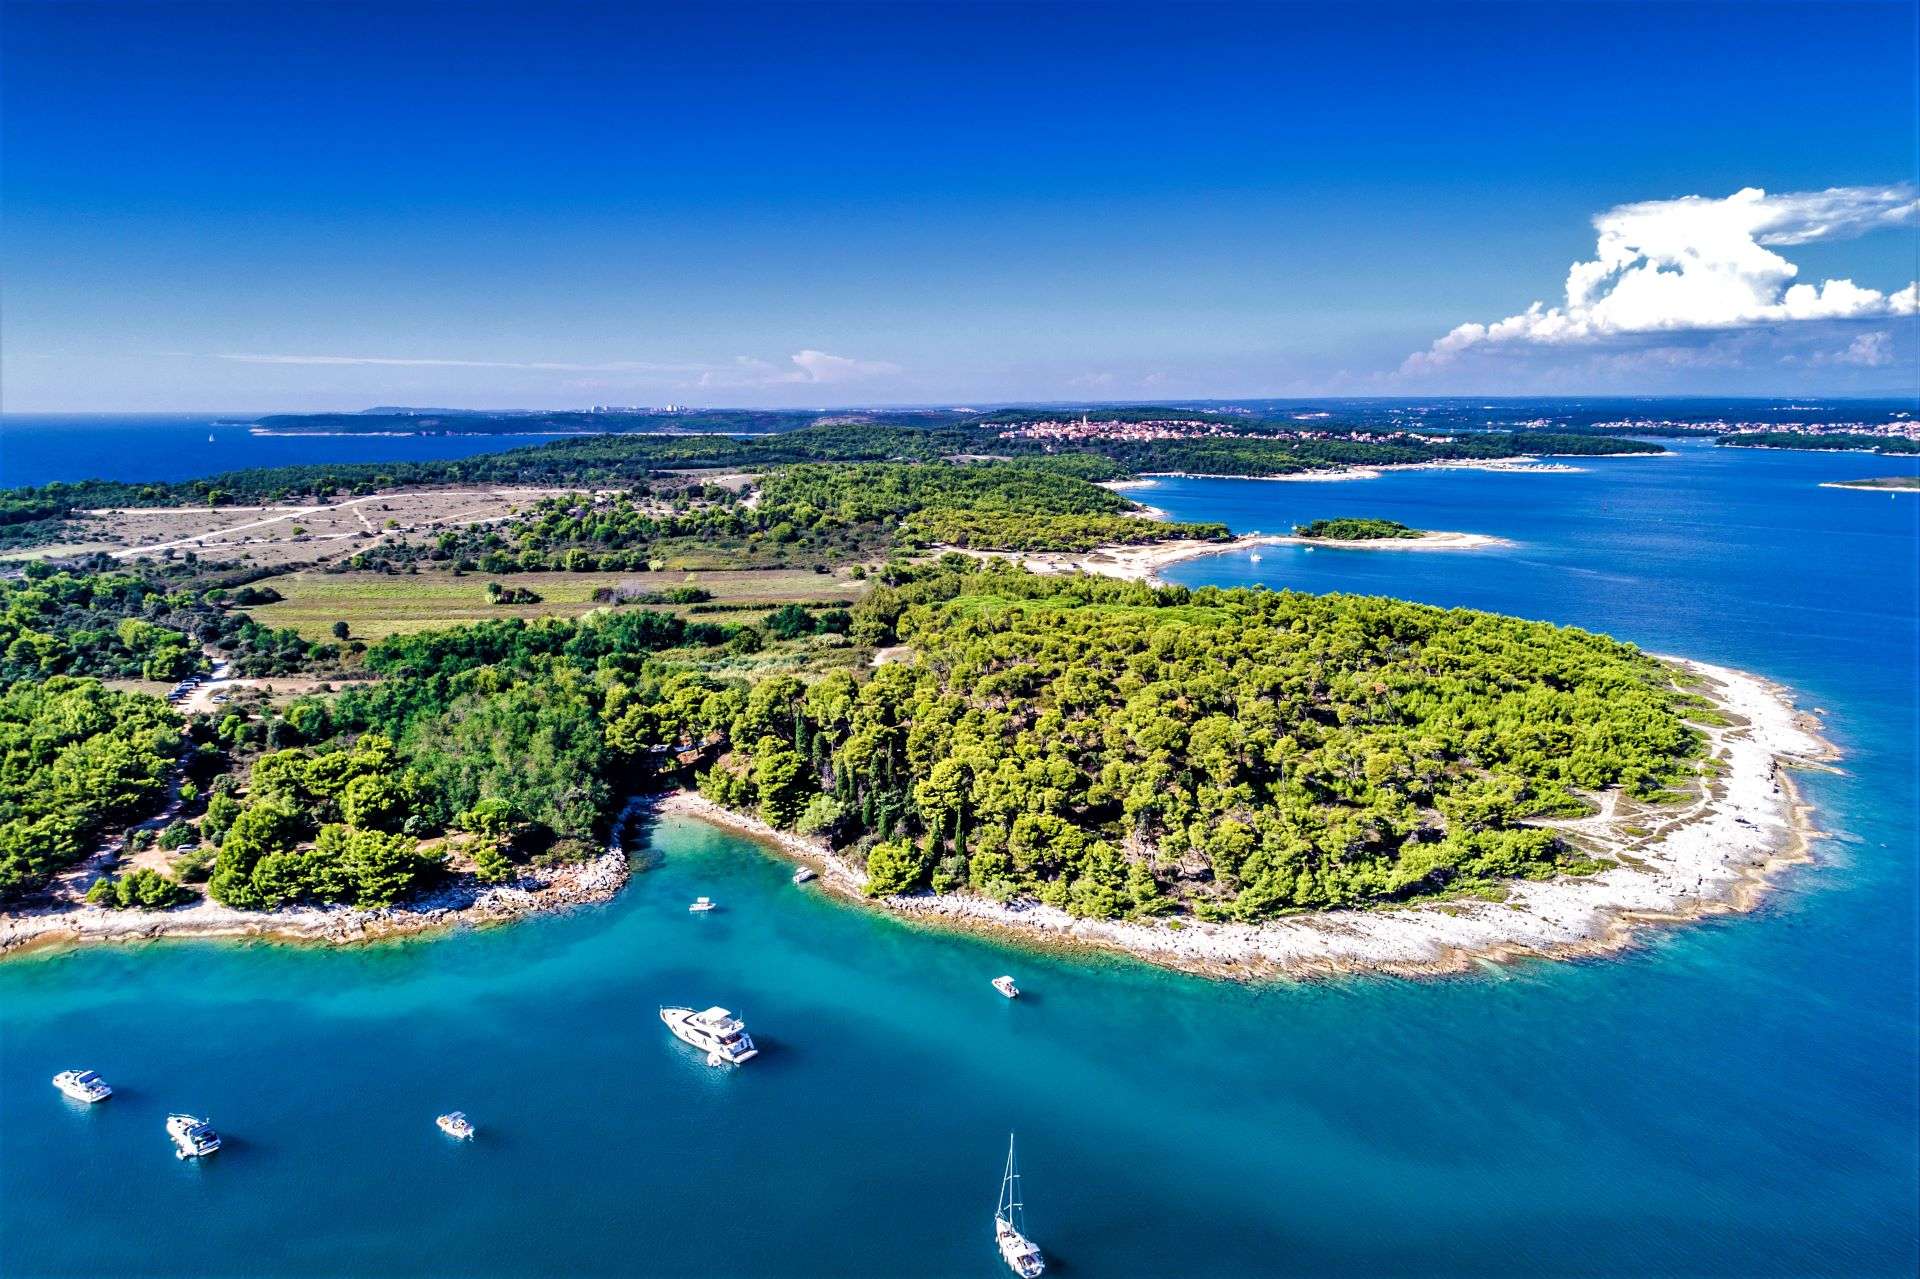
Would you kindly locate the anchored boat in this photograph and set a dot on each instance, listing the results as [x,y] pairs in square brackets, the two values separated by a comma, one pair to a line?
[1006,987]
[82,1085]
[803,875]
[193,1138]
[456,1125]
[701,905]
[1020,1253]
[716,1032]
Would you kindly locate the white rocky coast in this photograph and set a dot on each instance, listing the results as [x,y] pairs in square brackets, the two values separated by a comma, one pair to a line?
[1712,855]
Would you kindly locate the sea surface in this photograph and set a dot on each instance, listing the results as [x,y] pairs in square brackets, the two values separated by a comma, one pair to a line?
[1736,1097]
[40,448]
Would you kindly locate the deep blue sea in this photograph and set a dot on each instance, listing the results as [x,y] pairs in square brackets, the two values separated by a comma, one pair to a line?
[1737,1097]
[39,448]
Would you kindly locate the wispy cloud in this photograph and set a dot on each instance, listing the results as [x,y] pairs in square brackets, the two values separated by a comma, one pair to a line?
[394,361]
[1699,264]
[808,367]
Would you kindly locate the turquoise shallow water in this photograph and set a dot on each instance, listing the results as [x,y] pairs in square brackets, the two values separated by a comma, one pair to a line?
[1737,1097]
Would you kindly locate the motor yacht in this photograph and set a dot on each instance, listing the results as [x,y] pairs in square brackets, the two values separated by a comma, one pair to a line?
[456,1125]
[193,1138]
[1006,987]
[716,1032]
[82,1085]
[804,875]
[701,905]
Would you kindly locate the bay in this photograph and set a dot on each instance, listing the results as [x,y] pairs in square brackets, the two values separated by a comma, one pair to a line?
[1735,1097]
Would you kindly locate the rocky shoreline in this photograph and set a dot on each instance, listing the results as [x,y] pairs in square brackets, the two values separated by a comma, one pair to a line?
[1715,856]
[462,901]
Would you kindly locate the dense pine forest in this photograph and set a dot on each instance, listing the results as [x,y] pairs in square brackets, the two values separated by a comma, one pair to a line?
[1354,529]
[1112,748]
[1833,442]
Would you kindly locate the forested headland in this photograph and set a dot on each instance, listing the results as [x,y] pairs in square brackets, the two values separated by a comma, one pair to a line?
[1827,442]
[1113,748]
[1120,749]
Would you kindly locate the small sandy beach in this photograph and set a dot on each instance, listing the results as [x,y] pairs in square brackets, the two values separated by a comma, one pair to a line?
[1335,474]
[1143,563]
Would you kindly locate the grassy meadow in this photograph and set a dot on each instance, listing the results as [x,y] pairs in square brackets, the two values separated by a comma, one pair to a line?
[375,605]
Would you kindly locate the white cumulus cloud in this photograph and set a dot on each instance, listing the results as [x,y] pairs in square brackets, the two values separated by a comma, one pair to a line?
[1699,264]
[807,368]
[818,366]
[1868,351]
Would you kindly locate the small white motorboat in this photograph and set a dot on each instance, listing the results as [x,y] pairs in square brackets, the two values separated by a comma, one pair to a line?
[456,1125]
[717,1032]
[82,1085]
[1006,987]
[804,875]
[1254,558]
[701,905]
[193,1138]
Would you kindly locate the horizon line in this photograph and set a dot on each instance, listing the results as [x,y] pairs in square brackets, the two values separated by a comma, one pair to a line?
[987,405]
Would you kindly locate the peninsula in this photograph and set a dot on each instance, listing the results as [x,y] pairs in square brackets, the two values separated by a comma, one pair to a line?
[440,721]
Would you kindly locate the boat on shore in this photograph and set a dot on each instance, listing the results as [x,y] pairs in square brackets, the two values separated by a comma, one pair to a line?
[1005,986]
[1020,1253]
[456,1125]
[82,1085]
[716,1032]
[193,1138]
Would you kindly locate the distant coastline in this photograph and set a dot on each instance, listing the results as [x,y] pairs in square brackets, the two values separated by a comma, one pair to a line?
[266,432]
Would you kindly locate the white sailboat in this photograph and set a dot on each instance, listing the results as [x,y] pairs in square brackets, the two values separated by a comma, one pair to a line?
[1020,1253]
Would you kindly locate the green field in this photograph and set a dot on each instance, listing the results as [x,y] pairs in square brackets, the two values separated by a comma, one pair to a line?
[375,605]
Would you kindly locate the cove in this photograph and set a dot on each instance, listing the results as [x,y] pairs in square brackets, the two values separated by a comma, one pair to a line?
[1733,1097]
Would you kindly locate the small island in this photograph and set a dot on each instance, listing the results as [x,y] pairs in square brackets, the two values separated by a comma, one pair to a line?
[1880,484]
[1352,529]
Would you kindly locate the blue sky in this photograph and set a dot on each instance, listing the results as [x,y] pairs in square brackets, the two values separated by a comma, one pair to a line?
[256,207]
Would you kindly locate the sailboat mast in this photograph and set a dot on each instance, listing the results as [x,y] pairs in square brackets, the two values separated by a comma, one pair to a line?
[1010,1204]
